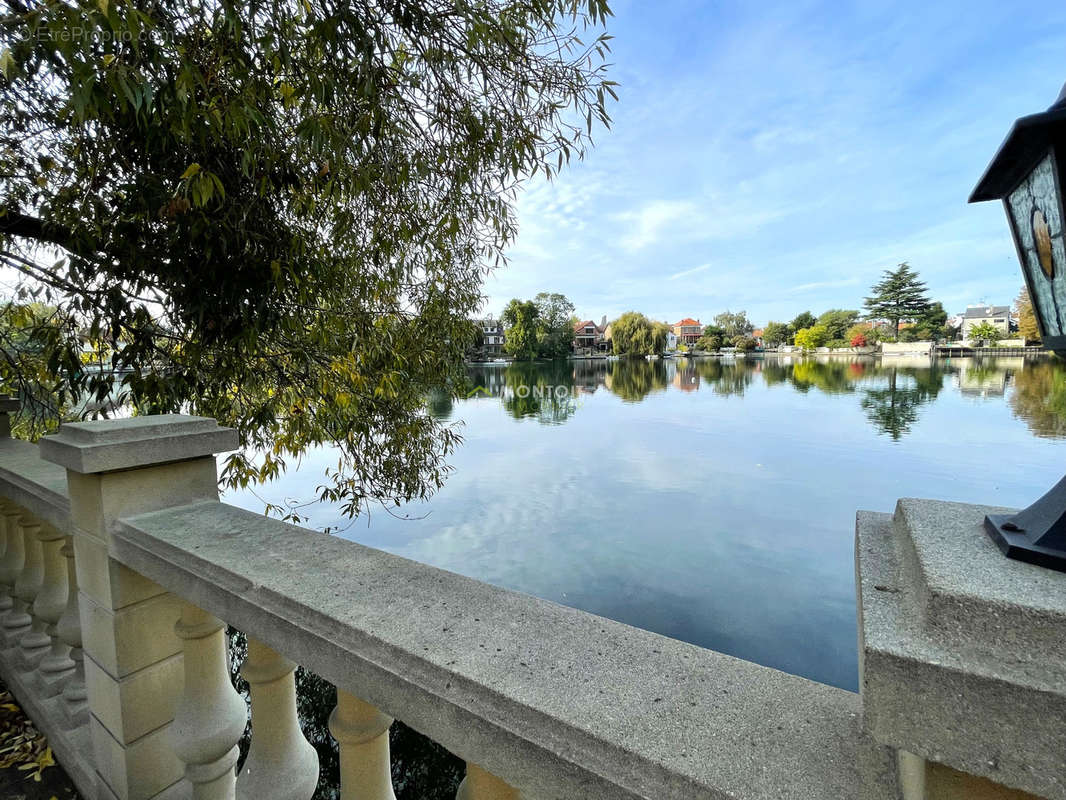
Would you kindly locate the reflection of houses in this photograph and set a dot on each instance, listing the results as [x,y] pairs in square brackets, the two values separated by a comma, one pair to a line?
[999,316]
[590,337]
[492,337]
[688,330]
[686,378]
[589,375]
[978,380]
[989,377]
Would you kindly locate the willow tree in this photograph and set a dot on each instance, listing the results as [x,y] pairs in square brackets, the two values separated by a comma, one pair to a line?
[279,213]
[636,336]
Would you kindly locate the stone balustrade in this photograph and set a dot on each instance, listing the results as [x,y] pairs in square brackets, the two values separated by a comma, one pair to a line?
[120,569]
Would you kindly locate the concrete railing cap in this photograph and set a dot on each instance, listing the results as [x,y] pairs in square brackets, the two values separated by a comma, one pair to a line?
[117,444]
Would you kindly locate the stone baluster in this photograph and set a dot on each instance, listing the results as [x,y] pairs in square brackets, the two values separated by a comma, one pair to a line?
[281,763]
[482,785]
[133,662]
[55,665]
[75,696]
[49,602]
[363,735]
[20,620]
[209,716]
[8,510]
[5,602]
[12,560]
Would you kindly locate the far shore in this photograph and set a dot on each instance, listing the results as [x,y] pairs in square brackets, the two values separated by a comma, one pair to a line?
[941,351]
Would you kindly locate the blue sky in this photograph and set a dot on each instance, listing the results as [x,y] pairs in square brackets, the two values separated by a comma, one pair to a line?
[776,157]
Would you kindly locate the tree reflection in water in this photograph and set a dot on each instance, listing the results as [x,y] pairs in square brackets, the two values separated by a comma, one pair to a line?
[633,379]
[893,409]
[544,392]
[891,395]
[1039,398]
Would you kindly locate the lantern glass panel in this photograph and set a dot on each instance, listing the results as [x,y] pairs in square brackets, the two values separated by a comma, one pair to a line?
[1036,220]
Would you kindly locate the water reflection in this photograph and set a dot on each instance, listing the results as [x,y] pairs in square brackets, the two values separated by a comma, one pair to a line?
[709,500]
[893,409]
[634,380]
[891,392]
[1039,398]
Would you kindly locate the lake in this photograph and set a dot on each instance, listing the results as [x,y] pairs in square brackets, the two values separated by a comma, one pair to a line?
[712,500]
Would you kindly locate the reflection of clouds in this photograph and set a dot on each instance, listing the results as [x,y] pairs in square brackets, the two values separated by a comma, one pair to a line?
[724,521]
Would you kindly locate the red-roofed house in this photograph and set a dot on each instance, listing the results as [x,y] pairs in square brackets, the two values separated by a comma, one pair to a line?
[688,330]
[589,337]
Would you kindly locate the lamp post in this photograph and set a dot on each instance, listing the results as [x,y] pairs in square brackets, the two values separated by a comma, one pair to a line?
[1027,174]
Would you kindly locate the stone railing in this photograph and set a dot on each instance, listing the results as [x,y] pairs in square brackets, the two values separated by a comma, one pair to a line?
[120,569]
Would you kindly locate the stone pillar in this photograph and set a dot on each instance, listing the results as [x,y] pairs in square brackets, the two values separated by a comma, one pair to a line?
[363,735]
[12,561]
[481,785]
[961,655]
[20,621]
[281,763]
[8,405]
[132,657]
[209,716]
[55,666]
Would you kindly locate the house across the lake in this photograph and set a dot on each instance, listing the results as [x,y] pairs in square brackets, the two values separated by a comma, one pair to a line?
[590,337]
[999,316]
[492,337]
[671,340]
[688,331]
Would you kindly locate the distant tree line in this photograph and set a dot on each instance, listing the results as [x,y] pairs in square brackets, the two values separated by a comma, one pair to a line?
[539,328]
[898,309]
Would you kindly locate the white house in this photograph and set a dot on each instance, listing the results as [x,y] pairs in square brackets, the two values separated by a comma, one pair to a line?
[999,316]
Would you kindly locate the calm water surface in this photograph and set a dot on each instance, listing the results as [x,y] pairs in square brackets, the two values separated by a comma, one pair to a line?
[711,501]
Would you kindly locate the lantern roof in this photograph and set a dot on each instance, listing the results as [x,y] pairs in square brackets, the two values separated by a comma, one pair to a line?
[1028,140]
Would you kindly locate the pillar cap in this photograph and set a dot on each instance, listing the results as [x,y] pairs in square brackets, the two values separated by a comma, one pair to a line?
[9,404]
[118,444]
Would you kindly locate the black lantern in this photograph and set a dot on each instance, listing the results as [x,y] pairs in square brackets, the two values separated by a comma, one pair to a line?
[1027,174]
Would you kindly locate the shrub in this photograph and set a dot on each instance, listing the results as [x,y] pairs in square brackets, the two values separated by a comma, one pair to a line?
[812,337]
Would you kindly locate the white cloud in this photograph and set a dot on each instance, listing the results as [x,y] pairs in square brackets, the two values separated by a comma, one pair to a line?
[686,272]
[656,219]
[810,287]
[783,151]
